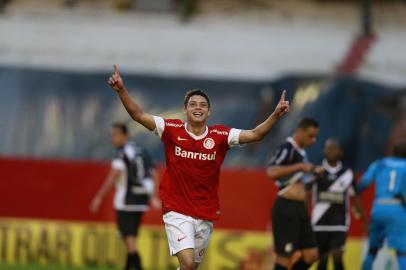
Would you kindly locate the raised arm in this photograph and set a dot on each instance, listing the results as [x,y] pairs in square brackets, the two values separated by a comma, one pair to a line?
[259,132]
[133,109]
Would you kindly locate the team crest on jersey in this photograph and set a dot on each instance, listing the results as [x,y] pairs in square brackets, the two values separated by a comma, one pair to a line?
[208,143]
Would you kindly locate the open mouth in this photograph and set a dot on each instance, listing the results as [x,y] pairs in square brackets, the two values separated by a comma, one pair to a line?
[197,114]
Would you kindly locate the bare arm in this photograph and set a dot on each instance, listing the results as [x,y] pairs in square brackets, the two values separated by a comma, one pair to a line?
[259,132]
[155,201]
[276,172]
[108,183]
[359,212]
[133,109]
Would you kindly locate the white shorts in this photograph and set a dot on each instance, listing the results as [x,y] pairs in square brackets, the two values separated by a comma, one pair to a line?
[185,232]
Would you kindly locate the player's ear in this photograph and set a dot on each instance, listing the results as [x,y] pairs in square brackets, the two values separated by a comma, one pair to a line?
[208,113]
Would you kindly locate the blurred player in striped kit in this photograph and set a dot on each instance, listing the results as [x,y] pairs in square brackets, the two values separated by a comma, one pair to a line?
[291,225]
[331,193]
[135,177]
[388,217]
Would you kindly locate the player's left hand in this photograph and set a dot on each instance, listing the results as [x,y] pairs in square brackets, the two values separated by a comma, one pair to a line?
[283,106]
[115,81]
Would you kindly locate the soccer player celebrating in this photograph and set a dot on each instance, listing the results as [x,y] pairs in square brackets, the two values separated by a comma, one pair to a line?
[194,153]
[330,214]
[388,219]
[133,173]
[291,225]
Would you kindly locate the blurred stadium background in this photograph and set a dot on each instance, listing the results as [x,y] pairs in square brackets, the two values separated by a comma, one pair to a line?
[343,62]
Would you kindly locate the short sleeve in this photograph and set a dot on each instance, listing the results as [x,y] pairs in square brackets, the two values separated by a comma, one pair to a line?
[280,156]
[234,137]
[160,126]
[118,164]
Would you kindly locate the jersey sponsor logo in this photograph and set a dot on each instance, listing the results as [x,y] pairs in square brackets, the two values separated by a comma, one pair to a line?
[194,155]
[208,143]
[173,124]
[182,139]
[219,132]
[331,197]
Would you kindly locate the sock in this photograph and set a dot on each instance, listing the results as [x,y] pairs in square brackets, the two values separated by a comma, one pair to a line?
[301,265]
[338,265]
[279,267]
[133,261]
[137,261]
[369,260]
[322,264]
[402,262]
[128,262]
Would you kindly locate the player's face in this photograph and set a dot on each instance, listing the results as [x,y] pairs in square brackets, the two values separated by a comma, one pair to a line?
[332,151]
[308,136]
[197,109]
[118,138]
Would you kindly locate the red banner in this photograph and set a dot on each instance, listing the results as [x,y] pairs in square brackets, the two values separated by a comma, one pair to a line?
[63,190]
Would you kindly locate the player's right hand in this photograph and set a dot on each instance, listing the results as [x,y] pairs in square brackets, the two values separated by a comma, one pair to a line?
[115,81]
[306,167]
[318,170]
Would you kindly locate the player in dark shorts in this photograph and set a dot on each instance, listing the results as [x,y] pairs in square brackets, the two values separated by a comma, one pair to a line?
[291,225]
[134,175]
[331,205]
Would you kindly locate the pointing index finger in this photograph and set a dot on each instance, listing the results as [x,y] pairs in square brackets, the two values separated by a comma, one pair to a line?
[115,68]
[283,95]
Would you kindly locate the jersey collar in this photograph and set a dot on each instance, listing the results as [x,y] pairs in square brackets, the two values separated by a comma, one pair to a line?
[332,169]
[197,137]
[292,142]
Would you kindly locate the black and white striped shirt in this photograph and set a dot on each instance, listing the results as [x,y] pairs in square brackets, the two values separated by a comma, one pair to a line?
[135,184]
[287,153]
[331,194]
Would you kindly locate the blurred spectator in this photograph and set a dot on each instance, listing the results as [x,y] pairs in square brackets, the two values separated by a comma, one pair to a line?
[70,3]
[118,4]
[3,4]
[186,9]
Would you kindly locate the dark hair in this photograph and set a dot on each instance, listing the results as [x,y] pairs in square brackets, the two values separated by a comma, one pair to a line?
[121,126]
[334,141]
[399,150]
[195,92]
[307,122]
